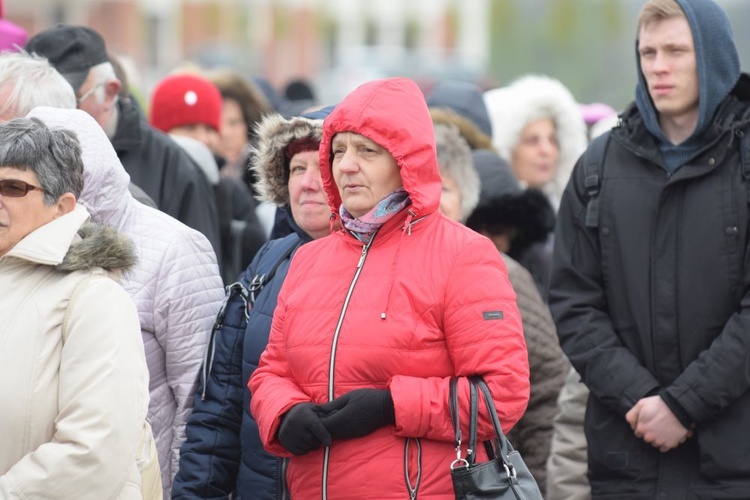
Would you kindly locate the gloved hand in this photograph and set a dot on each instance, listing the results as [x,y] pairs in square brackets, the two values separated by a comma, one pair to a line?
[358,413]
[301,430]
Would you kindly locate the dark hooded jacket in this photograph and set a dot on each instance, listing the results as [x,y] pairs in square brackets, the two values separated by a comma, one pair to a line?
[655,300]
[166,173]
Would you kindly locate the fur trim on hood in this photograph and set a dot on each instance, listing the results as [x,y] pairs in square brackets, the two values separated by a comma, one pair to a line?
[269,162]
[475,138]
[529,98]
[529,213]
[100,246]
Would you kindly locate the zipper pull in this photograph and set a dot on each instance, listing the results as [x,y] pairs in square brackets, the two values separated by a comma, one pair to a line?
[362,257]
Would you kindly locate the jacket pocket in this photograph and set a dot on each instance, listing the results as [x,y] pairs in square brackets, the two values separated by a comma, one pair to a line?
[614,452]
[724,450]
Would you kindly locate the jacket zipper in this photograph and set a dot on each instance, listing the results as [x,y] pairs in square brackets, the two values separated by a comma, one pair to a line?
[332,363]
[282,479]
[413,489]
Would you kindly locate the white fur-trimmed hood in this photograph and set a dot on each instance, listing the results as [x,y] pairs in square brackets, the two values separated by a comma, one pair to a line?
[529,98]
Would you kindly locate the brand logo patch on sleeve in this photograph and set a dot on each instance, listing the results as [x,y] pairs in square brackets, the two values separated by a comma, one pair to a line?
[490,315]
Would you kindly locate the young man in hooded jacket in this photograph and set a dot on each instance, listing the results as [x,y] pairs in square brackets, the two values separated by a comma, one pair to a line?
[650,291]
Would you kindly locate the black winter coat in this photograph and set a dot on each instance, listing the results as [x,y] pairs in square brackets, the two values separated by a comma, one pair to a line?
[657,301]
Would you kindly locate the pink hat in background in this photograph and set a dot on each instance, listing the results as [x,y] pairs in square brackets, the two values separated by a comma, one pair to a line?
[12,36]
[595,112]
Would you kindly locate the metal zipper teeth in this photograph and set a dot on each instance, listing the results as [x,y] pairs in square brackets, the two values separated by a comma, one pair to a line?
[413,489]
[284,464]
[360,265]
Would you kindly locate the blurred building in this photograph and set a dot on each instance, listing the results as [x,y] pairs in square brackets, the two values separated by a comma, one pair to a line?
[334,43]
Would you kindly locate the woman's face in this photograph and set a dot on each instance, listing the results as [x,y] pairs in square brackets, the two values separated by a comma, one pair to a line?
[536,155]
[450,198]
[306,196]
[364,172]
[20,216]
[234,133]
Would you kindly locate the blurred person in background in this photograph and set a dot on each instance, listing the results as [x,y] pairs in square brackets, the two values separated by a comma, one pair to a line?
[175,284]
[188,107]
[155,163]
[547,364]
[374,320]
[462,104]
[74,379]
[223,453]
[650,281]
[243,106]
[538,129]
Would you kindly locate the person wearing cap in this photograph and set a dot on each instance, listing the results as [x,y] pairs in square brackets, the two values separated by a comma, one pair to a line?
[223,453]
[154,162]
[188,107]
[532,434]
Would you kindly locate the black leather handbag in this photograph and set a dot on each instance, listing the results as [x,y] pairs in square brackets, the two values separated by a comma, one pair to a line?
[505,476]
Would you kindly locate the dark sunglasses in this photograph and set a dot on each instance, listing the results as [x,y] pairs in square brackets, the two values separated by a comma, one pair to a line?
[13,188]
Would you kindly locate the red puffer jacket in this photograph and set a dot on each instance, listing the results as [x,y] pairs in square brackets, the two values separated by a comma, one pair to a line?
[425,300]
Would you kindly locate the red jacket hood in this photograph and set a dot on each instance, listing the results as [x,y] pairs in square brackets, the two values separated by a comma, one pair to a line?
[393,113]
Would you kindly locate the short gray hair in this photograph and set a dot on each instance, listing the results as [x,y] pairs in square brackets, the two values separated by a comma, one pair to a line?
[28,80]
[54,155]
[454,158]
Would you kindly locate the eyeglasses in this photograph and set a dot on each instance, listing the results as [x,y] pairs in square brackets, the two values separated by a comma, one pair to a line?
[88,93]
[14,188]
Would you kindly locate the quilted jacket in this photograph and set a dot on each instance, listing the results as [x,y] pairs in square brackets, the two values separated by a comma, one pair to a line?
[425,300]
[176,285]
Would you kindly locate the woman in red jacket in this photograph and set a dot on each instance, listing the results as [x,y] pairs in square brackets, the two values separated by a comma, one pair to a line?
[374,320]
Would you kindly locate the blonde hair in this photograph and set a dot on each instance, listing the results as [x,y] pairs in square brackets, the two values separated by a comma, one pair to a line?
[658,10]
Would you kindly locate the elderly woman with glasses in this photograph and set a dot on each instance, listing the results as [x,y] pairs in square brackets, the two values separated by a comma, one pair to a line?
[374,320]
[73,374]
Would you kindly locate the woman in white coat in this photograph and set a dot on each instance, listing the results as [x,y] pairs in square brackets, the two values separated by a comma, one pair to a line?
[73,377]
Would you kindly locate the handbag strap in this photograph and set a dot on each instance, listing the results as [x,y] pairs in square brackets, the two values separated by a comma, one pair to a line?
[502,444]
[455,412]
[471,452]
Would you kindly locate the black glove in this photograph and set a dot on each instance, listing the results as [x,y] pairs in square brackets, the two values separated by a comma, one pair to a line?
[301,430]
[358,413]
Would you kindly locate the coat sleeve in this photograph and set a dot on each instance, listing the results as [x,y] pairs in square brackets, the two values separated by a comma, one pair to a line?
[484,336]
[272,387]
[721,374]
[103,400]
[188,298]
[579,306]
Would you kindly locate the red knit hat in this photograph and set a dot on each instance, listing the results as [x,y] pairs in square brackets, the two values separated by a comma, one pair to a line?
[185,99]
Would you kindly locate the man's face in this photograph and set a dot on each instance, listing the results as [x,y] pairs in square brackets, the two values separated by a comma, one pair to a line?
[668,62]
[91,98]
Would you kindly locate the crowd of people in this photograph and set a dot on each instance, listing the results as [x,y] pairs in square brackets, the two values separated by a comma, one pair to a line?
[310,279]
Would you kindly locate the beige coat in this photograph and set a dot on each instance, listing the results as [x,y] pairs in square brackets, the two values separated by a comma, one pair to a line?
[73,376]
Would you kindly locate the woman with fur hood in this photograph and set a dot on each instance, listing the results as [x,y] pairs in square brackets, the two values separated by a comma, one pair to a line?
[537,127]
[74,382]
[223,453]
